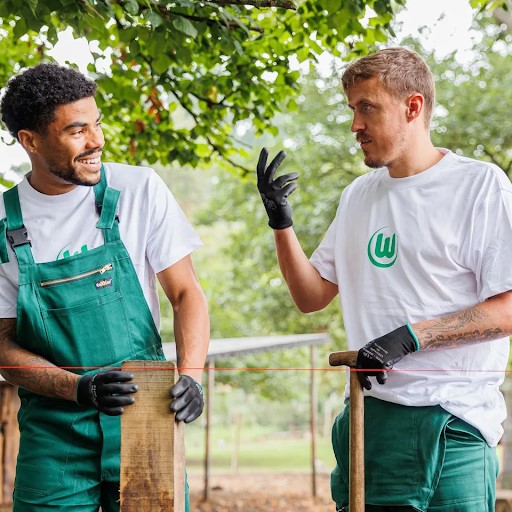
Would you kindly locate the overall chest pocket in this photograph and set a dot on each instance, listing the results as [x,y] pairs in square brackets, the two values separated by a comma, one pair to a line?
[85,318]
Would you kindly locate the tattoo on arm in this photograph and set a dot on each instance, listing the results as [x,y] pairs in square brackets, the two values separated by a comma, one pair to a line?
[30,371]
[463,328]
[7,328]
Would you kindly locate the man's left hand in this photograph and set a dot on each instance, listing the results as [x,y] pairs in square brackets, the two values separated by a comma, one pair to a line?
[187,399]
[380,354]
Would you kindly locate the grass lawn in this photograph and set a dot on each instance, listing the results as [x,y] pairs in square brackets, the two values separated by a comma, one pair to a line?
[259,450]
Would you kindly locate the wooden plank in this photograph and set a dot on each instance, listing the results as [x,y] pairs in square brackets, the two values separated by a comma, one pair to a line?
[9,405]
[2,444]
[152,443]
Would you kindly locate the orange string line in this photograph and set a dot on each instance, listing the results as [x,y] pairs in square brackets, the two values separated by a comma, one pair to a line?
[252,369]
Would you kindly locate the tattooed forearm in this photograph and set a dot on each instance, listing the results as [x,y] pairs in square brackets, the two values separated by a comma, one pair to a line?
[474,325]
[461,319]
[42,377]
[25,369]
[7,329]
[437,341]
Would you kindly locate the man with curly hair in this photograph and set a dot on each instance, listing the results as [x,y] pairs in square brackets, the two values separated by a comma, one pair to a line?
[420,254]
[81,245]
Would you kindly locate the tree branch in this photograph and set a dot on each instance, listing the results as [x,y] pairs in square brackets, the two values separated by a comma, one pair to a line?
[218,150]
[166,14]
[214,146]
[282,4]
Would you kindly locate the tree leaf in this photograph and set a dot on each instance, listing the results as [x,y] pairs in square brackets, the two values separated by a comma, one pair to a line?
[183,25]
[154,18]
[131,7]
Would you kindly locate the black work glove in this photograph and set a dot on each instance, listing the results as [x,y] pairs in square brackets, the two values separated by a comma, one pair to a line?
[188,400]
[274,193]
[380,354]
[107,391]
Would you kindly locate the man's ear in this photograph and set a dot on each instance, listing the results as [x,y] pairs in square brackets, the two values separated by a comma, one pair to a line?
[415,103]
[29,140]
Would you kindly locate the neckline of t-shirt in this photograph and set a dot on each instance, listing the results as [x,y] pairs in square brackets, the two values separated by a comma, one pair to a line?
[422,177]
[62,200]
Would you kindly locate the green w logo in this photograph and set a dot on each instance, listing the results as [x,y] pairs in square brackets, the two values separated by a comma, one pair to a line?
[383,251]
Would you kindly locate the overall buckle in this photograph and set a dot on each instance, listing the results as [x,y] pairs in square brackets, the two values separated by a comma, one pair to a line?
[18,237]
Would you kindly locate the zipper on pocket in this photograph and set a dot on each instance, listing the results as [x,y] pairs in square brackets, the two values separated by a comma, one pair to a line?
[101,270]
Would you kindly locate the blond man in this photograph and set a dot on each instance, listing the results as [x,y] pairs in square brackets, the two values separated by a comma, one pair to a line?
[419,253]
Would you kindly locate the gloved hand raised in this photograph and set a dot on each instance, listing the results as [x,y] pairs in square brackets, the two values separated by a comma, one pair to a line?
[274,193]
[107,391]
[382,353]
[188,400]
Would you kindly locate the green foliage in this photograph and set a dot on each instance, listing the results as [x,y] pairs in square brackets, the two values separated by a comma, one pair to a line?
[17,170]
[488,4]
[475,100]
[246,293]
[5,183]
[176,77]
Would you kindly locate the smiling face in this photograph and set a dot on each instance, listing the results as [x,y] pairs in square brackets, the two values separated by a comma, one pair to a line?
[69,152]
[380,123]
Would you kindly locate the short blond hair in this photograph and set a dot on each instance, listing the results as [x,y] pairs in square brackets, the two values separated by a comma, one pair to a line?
[401,70]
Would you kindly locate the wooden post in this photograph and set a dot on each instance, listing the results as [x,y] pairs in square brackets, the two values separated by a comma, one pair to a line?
[235,454]
[2,444]
[152,443]
[313,419]
[356,444]
[356,479]
[208,440]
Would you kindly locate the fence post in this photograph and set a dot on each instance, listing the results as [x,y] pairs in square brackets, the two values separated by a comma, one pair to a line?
[152,443]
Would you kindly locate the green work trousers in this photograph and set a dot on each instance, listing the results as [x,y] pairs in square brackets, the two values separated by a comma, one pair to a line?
[417,459]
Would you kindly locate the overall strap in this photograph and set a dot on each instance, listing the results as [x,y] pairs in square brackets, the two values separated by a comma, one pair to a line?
[16,232]
[4,255]
[106,205]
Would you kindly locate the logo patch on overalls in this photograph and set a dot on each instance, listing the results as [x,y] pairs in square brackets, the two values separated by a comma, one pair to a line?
[103,283]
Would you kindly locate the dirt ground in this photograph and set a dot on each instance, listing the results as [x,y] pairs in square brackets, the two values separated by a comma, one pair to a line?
[275,492]
[261,492]
[257,492]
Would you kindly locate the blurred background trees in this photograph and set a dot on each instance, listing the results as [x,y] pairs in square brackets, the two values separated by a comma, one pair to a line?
[196,89]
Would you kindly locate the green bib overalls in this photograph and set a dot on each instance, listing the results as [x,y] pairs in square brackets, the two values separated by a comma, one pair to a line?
[84,312]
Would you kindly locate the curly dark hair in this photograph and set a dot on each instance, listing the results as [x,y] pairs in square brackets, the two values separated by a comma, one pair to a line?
[31,97]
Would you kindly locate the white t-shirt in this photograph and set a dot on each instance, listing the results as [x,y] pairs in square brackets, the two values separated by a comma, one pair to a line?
[402,250]
[152,226]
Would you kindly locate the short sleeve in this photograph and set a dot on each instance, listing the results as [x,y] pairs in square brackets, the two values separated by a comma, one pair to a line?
[490,244]
[171,236]
[8,289]
[8,276]
[323,258]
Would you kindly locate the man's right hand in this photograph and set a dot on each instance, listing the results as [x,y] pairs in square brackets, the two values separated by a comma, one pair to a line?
[274,193]
[107,391]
